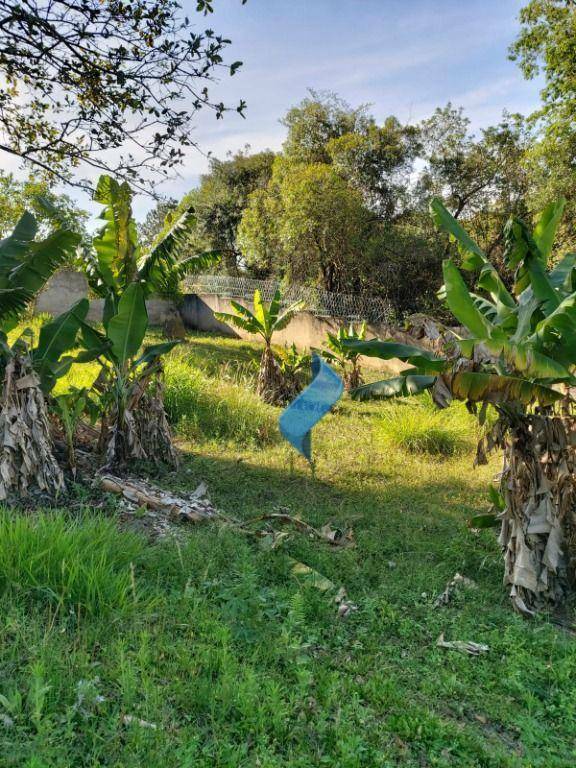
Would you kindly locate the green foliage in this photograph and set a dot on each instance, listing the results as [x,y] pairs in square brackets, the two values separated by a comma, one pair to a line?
[522,340]
[419,429]
[35,195]
[205,407]
[224,645]
[265,320]
[26,264]
[74,566]
[310,222]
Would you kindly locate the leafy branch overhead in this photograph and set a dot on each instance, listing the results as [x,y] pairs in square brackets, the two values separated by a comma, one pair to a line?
[87,78]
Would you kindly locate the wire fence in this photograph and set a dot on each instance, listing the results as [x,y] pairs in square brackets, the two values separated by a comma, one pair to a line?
[345,306]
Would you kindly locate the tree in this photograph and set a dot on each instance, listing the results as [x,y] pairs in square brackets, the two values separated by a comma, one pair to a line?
[378,162]
[37,196]
[111,86]
[318,118]
[545,45]
[133,423]
[309,225]
[29,369]
[265,321]
[519,356]
[157,220]
[221,199]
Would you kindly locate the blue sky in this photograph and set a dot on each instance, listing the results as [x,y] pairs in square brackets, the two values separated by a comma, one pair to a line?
[404,57]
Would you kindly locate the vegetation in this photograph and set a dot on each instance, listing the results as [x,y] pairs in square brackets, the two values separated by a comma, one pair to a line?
[265,321]
[212,640]
[133,421]
[94,84]
[29,370]
[519,354]
[344,358]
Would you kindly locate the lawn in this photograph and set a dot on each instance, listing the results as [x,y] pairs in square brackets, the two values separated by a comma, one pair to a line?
[206,650]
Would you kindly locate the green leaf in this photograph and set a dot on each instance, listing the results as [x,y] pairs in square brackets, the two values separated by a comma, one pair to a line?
[154,351]
[424,360]
[126,330]
[13,301]
[400,386]
[42,260]
[244,323]
[546,226]
[116,245]
[286,316]
[59,335]
[461,303]
[473,256]
[260,313]
[492,388]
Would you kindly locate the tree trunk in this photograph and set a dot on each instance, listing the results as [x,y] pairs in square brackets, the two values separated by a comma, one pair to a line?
[139,428]
[270,386]
[26,457]
[538,533]
[353,377]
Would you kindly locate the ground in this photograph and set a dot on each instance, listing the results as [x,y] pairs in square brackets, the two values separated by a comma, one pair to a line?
[206,650]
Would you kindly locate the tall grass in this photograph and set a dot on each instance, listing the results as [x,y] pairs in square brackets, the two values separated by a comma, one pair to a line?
[417,426]
[201,407]
[70,563]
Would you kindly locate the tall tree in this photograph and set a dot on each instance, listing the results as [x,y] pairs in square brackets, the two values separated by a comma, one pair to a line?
[320,117]
[104,85]
[479,178]
[220,200]
[309,225]
[546,45]
[36,195]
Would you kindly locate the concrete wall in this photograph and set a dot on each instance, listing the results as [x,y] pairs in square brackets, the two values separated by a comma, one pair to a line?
[67,287]
[305,329]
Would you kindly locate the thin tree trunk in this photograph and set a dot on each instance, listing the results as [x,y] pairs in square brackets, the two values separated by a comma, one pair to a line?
[270,386]
[538,533]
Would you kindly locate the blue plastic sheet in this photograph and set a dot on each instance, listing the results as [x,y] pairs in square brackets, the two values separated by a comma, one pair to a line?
[314,402]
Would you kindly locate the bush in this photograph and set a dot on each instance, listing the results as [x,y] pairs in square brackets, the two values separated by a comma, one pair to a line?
[75,564]
[201,407]
[418,428]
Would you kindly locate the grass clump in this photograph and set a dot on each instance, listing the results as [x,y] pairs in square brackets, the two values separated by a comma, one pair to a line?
[200,407]
[418,427]
[71,563]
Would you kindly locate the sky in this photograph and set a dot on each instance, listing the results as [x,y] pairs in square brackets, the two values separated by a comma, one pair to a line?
[404,57]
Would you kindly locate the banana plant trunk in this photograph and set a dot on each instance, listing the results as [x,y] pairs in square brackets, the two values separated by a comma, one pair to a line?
[271,386]
[538,533]
[26,448]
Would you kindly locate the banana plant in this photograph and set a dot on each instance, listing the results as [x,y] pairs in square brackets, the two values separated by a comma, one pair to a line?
[344,358]
[518,355]
[133,424]
[265,321]
[29,368]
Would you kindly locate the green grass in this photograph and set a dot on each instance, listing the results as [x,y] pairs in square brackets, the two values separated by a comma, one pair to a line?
[238,664]
[418,427]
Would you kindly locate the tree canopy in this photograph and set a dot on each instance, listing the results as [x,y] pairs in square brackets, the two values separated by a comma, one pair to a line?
[112,86]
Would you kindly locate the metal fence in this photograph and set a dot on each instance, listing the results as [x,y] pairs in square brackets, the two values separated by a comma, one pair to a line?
[345,306]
